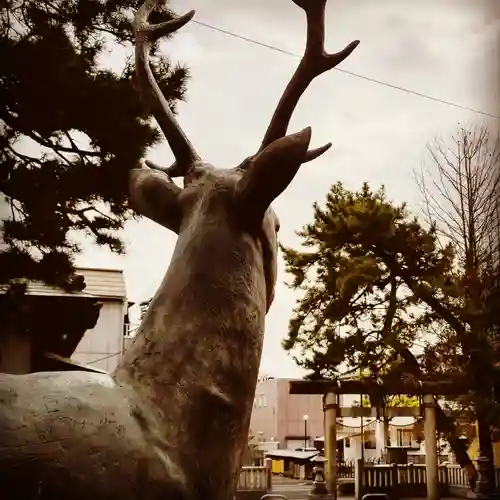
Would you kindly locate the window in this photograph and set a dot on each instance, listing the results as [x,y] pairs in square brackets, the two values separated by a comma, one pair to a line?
[260,401]
[405,437]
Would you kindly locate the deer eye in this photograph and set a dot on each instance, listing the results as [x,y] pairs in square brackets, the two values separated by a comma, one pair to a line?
[277,226]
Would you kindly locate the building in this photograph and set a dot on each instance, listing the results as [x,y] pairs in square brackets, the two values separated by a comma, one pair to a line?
[51,325]
[364,438]
[102,346]
[294,421]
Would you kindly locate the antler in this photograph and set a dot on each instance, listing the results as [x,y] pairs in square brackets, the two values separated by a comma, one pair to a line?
[314,62]
[145,36]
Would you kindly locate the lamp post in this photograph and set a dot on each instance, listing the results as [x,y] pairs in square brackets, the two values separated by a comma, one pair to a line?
[306,418]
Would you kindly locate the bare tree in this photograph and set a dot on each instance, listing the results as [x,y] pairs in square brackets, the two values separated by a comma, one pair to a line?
[461,190]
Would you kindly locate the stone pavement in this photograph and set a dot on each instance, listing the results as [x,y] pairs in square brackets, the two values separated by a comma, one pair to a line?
[296,489]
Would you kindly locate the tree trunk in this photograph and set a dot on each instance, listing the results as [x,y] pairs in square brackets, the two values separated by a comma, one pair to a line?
[445,424]
[485,444]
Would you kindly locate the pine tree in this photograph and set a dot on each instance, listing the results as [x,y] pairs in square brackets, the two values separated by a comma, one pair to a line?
[372,280]
[70,130]
[355,311]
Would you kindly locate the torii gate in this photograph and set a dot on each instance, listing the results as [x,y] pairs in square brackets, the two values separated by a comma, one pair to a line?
[331,390]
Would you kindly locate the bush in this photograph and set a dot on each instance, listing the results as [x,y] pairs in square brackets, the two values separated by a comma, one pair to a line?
[346,488]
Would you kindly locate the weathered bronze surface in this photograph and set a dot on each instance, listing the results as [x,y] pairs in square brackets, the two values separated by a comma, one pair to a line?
[172,420]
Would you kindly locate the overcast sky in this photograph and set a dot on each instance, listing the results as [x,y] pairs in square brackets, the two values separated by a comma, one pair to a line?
[446,49]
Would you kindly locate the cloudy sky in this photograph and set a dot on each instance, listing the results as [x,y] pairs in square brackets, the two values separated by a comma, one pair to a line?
[446,49]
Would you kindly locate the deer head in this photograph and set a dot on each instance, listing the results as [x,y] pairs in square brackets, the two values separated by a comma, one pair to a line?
[197,352]
[241,195]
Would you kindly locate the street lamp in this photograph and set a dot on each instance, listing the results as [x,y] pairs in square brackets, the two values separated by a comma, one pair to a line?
[306,418]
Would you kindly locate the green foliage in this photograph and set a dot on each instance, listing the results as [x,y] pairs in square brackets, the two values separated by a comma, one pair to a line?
[389,400]
[70,130]
[393,401]
[374,282]
[346,488]
[401,400]
[354,304]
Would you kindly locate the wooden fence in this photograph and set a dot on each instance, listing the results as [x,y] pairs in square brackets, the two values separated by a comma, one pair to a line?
[345,470]
[399,480]
[254,478]
[411,481]
[456,476]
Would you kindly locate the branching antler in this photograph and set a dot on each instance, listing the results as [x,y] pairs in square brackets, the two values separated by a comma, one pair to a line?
[314,62]
[145,36]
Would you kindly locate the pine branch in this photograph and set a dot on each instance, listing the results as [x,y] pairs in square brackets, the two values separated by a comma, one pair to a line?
[421,291]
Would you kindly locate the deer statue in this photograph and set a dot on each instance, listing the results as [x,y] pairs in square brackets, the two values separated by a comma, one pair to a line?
[172,421]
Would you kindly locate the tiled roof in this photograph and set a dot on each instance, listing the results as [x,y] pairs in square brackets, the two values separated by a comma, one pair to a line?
[100,283]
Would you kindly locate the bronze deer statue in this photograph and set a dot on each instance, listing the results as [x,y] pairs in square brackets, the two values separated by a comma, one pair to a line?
[172,421]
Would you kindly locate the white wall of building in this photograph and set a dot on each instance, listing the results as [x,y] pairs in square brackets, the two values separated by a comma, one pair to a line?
[354,450]
[293,444]
[102,346]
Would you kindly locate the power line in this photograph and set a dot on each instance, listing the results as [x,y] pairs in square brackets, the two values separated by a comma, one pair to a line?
[113,354]
[104,358]
[350,73]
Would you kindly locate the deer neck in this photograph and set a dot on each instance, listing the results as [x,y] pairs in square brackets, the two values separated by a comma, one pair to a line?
[196,357]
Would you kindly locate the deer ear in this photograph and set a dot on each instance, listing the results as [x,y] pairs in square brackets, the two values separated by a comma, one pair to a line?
[269,172]
[153,194]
